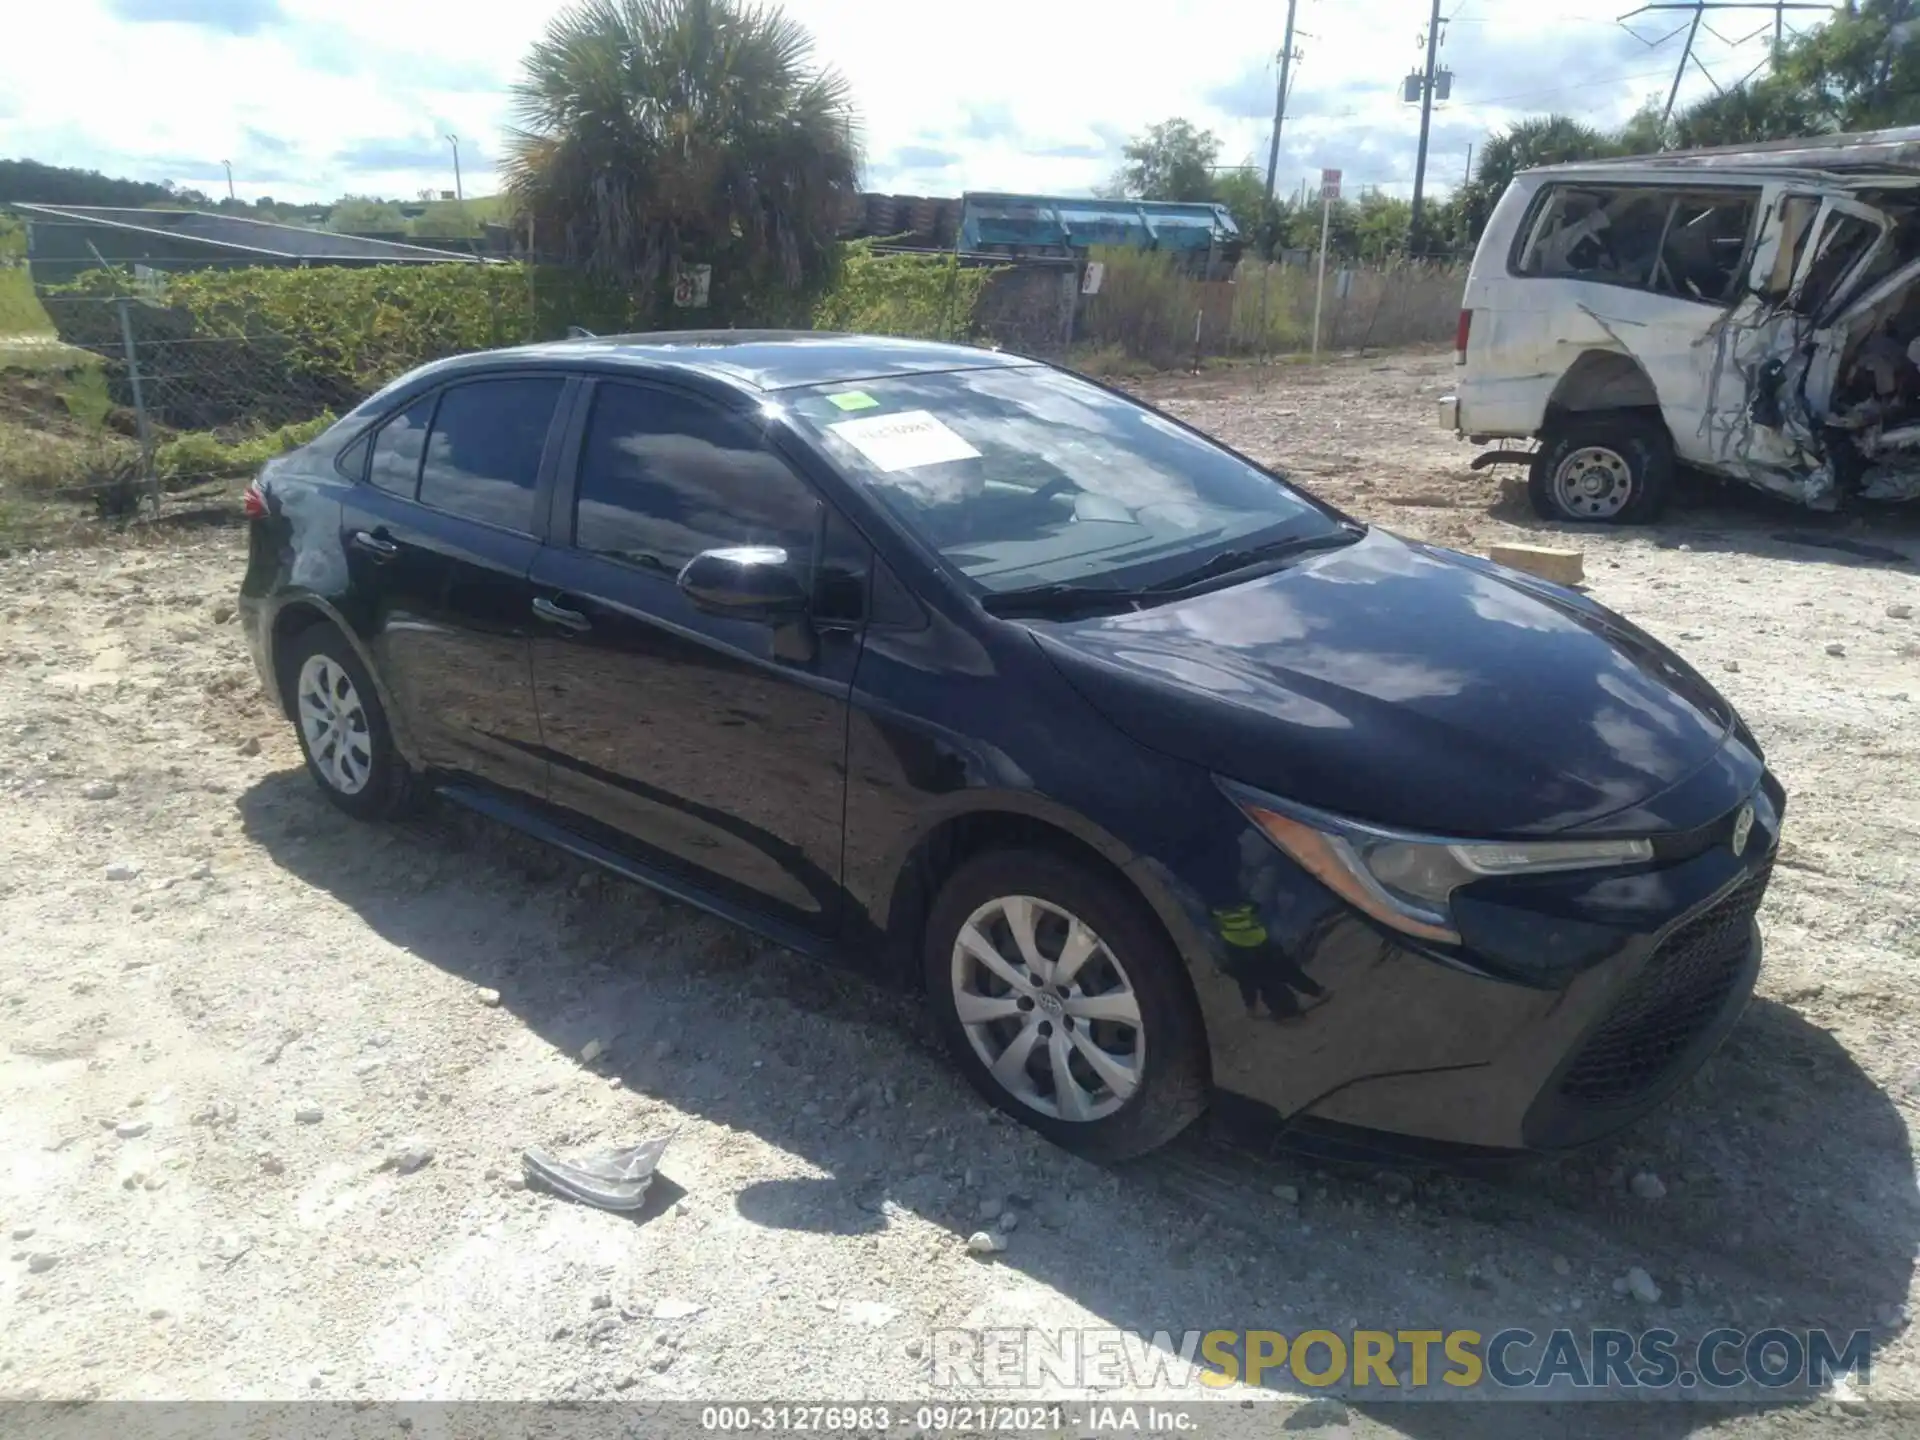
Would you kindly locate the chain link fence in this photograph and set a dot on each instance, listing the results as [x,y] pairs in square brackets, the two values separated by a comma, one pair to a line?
[163,389]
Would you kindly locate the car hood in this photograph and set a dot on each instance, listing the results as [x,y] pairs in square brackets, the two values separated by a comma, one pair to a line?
[1406,685]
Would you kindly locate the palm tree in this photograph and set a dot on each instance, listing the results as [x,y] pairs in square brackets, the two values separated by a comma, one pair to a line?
[1539,140]
[657,131]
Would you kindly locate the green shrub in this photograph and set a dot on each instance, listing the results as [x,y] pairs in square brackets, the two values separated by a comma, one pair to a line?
[267,346]
[264,347]
[927,297]
[202,455]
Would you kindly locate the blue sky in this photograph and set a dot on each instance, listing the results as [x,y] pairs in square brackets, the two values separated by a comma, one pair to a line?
[311,99]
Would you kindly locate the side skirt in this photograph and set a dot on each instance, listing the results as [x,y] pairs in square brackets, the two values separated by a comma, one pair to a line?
[494,807]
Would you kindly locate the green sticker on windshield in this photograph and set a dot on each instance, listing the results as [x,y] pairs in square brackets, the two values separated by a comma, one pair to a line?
[854,400]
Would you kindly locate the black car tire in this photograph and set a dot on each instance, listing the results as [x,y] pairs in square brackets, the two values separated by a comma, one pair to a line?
[1171,1091]
[389,787]
[1641,452]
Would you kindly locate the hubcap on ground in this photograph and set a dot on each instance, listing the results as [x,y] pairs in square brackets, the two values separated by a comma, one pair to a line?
[1048,1009]
[333,722]
[1593,482]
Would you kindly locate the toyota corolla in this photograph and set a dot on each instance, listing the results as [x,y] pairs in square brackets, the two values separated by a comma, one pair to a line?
[1162,778]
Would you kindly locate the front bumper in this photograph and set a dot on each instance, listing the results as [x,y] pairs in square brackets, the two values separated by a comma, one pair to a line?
[1580,1002]
[1605,1057]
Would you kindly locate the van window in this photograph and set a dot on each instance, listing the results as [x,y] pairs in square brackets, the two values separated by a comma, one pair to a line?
[1797,214]
[1843,241]
[1686,243]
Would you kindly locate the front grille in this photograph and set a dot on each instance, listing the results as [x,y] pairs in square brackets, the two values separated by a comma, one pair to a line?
[1668,1004]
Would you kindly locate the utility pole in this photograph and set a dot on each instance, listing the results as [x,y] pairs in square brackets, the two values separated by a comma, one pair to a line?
[1280,101]
[459,194]
[229,165]
[1415,236]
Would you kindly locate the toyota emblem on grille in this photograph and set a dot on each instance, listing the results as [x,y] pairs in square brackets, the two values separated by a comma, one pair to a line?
[1742,827]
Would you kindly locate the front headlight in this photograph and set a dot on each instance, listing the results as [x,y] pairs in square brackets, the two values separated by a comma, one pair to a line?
[1406,880]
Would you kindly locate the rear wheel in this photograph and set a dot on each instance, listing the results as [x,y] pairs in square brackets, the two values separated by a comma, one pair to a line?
[1064,1004]
[342,728]
[1607,467]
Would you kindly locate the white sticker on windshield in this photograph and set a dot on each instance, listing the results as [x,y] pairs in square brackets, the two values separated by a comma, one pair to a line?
[905,441]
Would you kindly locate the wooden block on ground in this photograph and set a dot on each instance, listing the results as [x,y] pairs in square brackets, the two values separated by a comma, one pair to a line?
[1563,567]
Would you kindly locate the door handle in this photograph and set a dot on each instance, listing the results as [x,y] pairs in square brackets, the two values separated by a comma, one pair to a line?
[559,615]
[377,546]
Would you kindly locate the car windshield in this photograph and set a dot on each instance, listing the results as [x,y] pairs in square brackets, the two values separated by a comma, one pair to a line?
[1026,476]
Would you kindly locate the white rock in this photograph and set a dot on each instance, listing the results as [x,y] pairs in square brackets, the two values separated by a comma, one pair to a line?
[1640,1285]
[1733,667]
[411,1157]
[1834,647]
[1900,611]
[602,1300]
[309,1115]
[592,1051]
[99,790]
[1649,1186]
[671,1309]
[487,996]
[132,1129]
[985,1242]
[870,1313]
[1562,1266]
[1009,1221]
[41,1261]
[1850,1400]
[123,870]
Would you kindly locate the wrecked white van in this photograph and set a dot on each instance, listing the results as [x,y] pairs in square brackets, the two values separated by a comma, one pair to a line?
[1752,312]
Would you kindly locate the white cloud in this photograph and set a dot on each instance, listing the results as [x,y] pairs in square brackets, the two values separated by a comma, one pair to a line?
[314,98]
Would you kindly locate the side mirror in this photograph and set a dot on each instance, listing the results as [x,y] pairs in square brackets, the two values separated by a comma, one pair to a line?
[748,582]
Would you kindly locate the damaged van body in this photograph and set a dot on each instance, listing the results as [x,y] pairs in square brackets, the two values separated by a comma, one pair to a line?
[1751,312]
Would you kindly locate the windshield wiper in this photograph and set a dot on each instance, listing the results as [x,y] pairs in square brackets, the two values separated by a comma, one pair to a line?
[1227,562]
[1059,599]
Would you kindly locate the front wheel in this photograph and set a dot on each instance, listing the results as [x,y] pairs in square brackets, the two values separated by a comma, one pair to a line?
[1610,467]
[1064,1004]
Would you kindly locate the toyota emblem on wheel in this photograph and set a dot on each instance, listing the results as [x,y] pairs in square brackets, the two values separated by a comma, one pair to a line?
[1742,827]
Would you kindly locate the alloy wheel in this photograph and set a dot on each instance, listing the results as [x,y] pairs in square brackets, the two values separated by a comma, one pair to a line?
[333,722]
[1048,1008]
[1593,483]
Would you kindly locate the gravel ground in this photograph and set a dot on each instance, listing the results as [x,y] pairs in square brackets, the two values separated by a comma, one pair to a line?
[266,1074]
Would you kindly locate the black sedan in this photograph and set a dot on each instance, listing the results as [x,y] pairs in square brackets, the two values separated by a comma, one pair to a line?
[1162,778]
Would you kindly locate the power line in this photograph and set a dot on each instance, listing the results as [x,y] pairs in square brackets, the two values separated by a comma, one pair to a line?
[1697,14]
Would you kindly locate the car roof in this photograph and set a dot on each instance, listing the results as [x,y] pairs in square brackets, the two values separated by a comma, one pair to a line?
[763,359]
[1883,156]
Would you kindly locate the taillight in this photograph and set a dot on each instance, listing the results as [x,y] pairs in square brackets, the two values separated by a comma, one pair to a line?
[1462,329]
[253,501]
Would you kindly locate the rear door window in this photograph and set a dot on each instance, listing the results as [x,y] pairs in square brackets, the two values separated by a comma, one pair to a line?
[397,449]
[483,450]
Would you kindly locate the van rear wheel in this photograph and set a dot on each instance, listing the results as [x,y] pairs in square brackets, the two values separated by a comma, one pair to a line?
[1605,467]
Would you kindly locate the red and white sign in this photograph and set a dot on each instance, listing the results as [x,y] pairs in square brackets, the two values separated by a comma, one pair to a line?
[1329,184]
